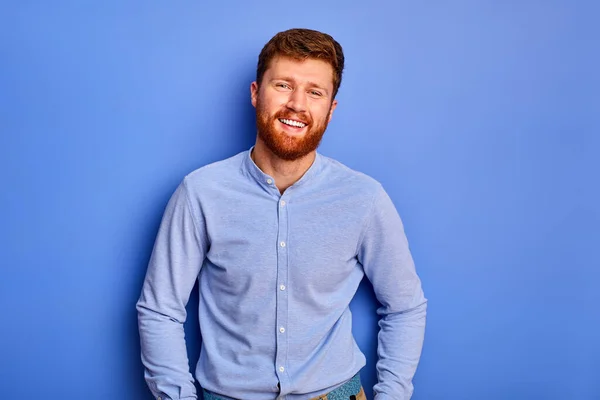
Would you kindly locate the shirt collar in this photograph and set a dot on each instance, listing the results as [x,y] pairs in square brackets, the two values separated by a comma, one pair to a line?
[251,169]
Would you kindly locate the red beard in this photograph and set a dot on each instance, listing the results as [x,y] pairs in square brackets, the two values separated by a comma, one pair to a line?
[281,144]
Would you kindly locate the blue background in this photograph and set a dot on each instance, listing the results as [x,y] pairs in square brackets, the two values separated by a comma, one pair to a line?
[480,118]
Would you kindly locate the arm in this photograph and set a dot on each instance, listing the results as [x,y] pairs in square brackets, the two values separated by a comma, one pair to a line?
[388,264]
[172,271]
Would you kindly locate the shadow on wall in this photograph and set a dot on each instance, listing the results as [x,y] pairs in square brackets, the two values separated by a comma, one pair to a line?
[365,329]
[239,134]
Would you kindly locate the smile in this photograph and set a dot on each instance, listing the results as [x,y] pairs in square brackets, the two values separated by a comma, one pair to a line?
[291,122]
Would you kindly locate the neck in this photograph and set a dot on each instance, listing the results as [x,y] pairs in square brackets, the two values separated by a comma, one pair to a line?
[285,172]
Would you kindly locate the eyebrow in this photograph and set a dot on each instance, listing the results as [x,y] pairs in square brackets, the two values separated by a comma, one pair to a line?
[310,83]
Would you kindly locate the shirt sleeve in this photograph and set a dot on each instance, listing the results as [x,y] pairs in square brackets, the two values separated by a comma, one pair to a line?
[174,266]
[388,264]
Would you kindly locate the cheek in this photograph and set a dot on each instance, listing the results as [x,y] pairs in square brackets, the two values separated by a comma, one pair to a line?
[321,113]
[274,99]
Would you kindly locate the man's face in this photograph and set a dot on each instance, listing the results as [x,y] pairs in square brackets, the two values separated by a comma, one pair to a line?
[293,105]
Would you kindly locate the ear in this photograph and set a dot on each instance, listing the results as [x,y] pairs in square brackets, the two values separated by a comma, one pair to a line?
[333,106]
[254,93]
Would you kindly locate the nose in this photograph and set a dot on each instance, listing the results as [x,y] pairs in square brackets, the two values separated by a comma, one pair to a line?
[297,101]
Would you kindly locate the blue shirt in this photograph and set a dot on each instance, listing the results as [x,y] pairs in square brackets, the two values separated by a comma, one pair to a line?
[276,275]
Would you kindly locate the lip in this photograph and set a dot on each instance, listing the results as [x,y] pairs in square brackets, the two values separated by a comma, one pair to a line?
[294,119]
[291,129]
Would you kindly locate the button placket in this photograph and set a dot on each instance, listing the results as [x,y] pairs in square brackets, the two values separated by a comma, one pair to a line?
[282,293]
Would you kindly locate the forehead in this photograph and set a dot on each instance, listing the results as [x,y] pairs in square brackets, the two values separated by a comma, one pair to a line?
[309,70]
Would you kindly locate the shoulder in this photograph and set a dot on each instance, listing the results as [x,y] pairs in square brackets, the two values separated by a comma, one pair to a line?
[215,173]
[342,175]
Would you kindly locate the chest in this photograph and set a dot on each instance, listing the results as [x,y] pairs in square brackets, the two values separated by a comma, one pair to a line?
[313,238]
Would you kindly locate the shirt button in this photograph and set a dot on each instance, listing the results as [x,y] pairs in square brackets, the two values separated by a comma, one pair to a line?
[281,369]
[282,287]
[282,329]
[282,203]
[282,244]
[269,181]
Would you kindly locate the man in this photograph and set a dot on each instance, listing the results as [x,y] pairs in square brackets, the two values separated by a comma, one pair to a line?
[280,237]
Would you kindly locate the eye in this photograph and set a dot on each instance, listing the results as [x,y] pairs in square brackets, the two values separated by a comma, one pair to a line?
[316,93]
[282,85]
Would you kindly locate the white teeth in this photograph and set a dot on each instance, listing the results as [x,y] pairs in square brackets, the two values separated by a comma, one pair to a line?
[292,123]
